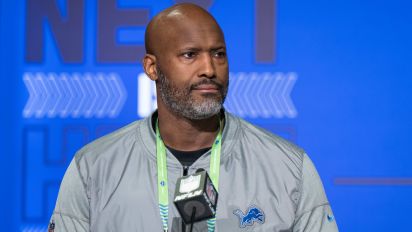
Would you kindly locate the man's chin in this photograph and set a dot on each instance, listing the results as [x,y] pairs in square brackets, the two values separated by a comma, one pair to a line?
[205,113]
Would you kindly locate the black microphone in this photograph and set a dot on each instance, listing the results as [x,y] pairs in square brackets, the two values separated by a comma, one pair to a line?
[195,197]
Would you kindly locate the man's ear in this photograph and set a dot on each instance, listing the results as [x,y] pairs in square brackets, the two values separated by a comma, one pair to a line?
[149,66]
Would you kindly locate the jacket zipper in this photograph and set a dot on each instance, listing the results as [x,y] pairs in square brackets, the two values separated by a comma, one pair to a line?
[185,172]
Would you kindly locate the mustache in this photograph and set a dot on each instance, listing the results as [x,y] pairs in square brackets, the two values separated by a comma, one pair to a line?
[207,82]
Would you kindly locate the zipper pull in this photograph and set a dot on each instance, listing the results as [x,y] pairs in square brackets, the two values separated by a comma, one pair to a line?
[185,170]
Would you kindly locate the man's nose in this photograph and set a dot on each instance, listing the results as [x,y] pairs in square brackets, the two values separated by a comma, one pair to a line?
[207,68]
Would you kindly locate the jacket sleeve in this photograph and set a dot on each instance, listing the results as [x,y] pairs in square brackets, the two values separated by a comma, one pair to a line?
[71,212]
[313,213]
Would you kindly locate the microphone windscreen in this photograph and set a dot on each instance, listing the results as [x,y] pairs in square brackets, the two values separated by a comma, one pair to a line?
[195,194]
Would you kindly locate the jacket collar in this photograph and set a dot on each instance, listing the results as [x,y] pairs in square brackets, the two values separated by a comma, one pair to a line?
[229,137]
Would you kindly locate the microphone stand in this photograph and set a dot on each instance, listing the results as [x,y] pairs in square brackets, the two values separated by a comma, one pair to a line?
[192,218]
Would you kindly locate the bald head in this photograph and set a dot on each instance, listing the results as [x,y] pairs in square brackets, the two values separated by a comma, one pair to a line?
[186,56]
[176,21]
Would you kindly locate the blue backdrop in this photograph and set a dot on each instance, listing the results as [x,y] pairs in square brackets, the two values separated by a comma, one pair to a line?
[332,76]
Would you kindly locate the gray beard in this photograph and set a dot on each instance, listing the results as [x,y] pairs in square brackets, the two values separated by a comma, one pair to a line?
[181,102]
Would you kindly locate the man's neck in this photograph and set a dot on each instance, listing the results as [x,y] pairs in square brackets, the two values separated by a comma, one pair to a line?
[185,134]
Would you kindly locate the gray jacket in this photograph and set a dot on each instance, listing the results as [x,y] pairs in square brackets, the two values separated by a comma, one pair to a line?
[266,184]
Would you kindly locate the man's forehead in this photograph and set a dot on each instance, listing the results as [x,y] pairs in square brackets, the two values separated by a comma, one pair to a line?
[180,25]
[195,35]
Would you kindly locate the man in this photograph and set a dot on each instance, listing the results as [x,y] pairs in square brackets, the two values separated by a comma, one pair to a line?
[117,183]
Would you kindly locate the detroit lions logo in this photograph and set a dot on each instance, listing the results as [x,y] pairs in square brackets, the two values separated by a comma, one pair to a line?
[252,215]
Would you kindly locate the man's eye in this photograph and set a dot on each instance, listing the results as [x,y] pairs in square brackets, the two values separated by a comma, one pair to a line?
[189,55]
[220,54]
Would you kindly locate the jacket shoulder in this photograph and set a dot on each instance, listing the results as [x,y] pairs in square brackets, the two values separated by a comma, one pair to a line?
[103,146]
[259,137]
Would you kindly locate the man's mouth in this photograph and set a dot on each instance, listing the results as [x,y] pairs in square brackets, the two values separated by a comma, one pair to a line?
[207,88]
